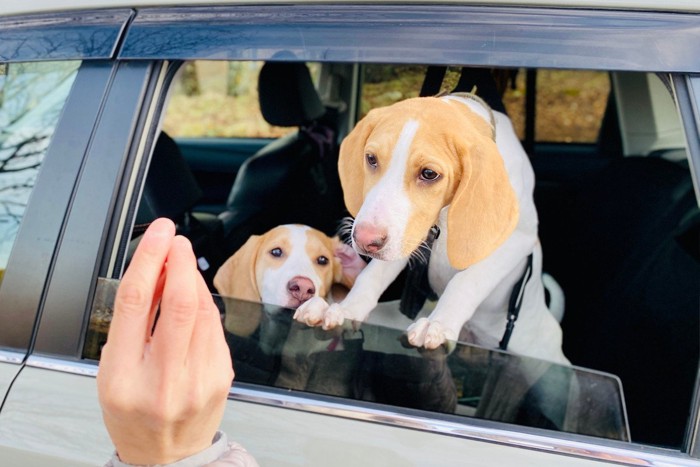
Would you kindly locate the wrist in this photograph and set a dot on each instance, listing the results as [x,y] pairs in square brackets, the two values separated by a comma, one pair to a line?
[201,455]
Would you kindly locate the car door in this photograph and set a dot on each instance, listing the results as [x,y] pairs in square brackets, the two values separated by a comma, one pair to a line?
[52,414]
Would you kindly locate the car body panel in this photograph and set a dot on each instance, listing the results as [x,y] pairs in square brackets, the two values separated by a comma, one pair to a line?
[8,371]
[46,414]
[53,415]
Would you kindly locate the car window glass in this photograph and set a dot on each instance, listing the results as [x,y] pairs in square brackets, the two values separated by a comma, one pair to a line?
[31,98]
[371,364]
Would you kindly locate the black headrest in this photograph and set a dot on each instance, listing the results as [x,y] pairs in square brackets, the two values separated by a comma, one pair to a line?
[287,94]
[171,190]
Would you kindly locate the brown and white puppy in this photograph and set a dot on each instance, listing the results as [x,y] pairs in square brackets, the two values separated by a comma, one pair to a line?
[453,163]
[286,266]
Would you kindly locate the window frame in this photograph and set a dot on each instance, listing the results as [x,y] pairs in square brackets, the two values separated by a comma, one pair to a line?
[52,37]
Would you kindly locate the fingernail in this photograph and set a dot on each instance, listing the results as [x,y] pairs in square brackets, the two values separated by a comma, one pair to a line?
[161,227]
[183,241]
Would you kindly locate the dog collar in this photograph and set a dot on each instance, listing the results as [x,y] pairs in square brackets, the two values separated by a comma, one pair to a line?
[483,109]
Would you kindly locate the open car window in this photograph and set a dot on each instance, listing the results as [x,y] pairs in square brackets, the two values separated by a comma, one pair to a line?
[617,221]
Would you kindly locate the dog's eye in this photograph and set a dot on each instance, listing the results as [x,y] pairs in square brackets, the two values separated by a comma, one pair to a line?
[429,175]
[322,260]
[276,252]
[371,160]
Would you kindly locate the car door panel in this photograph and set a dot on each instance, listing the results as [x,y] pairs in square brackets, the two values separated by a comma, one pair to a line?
[8,372]
[53,418]
[35,428]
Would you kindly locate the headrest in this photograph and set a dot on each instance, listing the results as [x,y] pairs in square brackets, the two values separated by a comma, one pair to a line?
[170,190]
[287,94]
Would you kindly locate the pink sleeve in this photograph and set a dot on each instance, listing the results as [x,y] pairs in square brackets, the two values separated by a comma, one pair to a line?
[221,453]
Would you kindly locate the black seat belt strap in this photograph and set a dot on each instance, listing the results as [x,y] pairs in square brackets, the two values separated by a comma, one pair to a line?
[433,80]
[516,300]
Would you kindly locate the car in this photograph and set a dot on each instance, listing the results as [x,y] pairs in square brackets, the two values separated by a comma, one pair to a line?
[115,113]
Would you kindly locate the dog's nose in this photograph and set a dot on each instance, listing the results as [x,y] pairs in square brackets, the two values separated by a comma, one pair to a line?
[301,288]
[369,238]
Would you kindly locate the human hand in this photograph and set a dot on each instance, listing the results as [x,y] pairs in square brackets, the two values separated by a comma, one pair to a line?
[163,394]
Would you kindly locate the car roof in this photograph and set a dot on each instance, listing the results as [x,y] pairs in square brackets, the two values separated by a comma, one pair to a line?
[47,6]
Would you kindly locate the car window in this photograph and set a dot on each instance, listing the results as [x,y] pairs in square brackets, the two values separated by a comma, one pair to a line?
[31,98]
[615,208]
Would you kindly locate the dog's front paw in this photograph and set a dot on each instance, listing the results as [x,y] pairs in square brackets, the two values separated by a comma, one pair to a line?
[334,317]
[312,312]
[428,334]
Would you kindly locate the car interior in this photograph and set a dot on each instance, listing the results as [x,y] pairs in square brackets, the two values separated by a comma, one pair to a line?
[618,222]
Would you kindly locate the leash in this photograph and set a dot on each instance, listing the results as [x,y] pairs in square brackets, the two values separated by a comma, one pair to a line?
[417,287]
[516,301]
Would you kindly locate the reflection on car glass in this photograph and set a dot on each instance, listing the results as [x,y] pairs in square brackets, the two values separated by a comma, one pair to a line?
[374,363]
[32,96]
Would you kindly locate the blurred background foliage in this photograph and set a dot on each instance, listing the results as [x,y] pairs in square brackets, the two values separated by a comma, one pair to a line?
[220,99]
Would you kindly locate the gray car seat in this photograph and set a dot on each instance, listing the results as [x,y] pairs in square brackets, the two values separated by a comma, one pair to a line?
[293,179]
[171,191]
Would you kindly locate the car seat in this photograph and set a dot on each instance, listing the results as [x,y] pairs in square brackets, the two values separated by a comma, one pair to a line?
[623,245]
[171,191]
[293,179]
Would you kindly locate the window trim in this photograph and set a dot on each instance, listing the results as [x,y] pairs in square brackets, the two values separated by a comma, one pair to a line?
[528,37]
[687,93]
[114,141]
[62,36]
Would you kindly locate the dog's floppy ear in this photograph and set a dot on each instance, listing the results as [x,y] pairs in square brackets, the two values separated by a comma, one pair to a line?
[236,277]
[484,210]
[351,162]
[347,264]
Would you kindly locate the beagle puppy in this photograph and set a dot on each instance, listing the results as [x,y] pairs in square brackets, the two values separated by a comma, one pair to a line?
[452,163]
[288,265]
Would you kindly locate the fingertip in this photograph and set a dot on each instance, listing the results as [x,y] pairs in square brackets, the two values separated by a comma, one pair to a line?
[182,247]
[161,227]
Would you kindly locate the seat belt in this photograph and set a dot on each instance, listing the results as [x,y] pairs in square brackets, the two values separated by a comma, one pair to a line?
[516,301]
[433,80]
